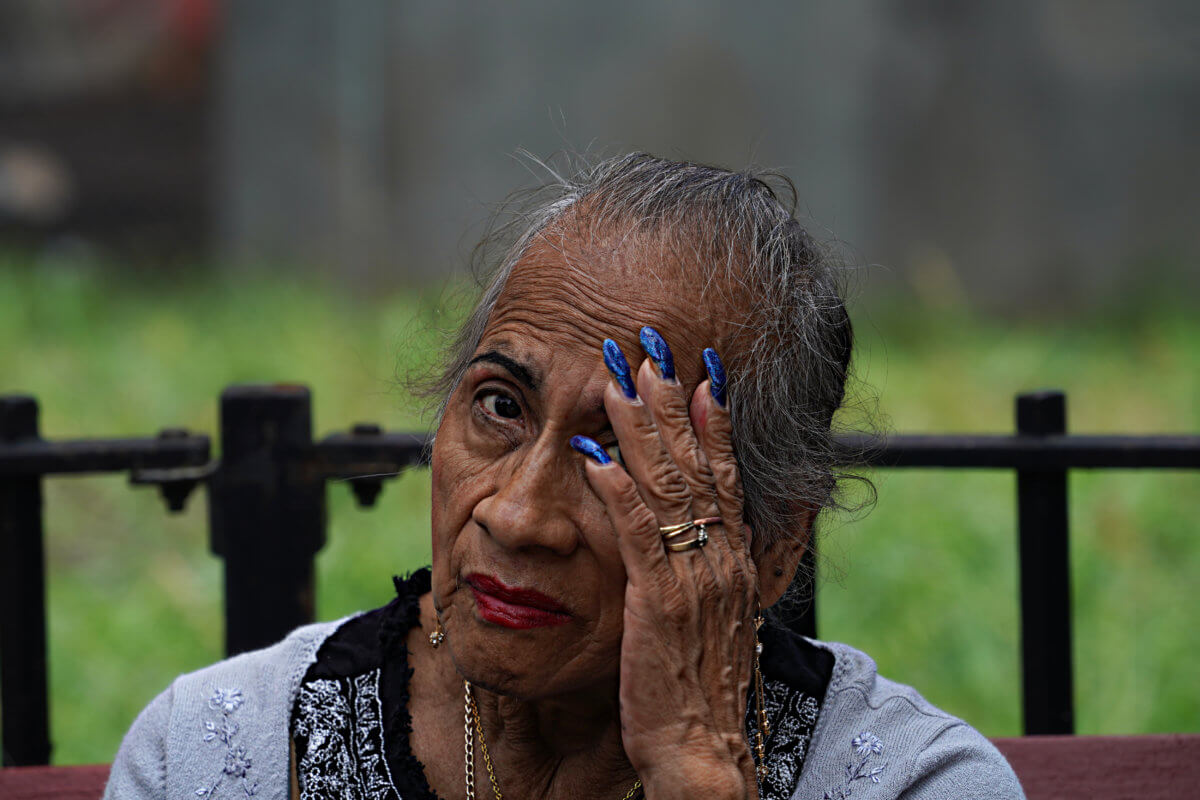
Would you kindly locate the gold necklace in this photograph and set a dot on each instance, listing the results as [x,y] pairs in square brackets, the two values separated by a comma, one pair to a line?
[764,725]
[471,715]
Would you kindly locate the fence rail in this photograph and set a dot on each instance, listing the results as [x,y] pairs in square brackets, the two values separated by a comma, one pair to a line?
[266,503]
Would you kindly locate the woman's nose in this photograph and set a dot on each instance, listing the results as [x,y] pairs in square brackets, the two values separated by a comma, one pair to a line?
[530,507]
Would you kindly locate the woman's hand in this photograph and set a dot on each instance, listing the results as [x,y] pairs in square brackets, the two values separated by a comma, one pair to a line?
[687,647]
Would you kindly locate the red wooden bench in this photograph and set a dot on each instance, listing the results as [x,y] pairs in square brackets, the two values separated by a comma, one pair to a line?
[1050,767]
[1106,767]
[60,783]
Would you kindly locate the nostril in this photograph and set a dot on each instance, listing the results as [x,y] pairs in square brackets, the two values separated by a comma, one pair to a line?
[516,525]
[531,503]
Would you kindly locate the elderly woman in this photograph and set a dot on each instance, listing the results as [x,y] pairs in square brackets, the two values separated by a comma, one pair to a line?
[609,531]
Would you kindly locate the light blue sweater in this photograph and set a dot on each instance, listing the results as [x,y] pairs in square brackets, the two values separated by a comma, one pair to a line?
[222,732]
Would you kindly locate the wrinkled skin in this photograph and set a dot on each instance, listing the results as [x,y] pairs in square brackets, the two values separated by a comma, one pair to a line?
[648,679]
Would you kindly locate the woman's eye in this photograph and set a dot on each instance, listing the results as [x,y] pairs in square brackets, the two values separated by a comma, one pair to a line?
[614,452]
[501,405]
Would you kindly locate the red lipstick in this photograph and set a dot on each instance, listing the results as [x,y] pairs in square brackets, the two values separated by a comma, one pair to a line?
[512,607]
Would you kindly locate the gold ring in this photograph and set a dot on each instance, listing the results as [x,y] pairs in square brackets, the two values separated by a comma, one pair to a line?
[700,539]
[677,535]
[683,527]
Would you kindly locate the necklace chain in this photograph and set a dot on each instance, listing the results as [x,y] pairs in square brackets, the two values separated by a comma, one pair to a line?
[473,711]
[471,714]
[469,743]
[764,725]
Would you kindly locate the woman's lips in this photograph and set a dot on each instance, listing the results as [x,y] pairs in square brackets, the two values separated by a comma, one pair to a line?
[512,607]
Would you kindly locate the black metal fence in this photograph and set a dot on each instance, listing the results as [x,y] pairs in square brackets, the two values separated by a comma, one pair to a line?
[266,502]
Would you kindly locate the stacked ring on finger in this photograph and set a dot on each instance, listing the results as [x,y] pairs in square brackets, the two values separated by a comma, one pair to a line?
[672,533]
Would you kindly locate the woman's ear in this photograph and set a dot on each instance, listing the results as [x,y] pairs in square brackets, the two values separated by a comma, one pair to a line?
[777,564]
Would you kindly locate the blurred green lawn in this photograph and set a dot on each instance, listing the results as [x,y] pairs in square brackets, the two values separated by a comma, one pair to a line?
[925,582]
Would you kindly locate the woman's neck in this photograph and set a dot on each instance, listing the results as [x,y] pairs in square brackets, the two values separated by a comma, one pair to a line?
[567,746]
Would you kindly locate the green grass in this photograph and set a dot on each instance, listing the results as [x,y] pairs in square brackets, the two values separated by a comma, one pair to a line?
[925,582]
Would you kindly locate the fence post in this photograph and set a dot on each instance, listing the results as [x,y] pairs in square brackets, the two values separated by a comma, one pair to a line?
[26,726]
[1046,664]
[266,512]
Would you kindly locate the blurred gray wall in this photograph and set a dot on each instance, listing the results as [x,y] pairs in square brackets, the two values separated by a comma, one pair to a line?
[1006,153]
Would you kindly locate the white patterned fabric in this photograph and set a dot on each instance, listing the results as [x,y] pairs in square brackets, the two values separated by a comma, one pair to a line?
[791,718]
[338,727]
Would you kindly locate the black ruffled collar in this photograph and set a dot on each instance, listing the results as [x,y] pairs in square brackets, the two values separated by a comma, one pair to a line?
[402,615]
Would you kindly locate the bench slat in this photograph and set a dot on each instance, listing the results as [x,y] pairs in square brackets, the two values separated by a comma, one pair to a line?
[1152,767]
[61,783]
[1149,767]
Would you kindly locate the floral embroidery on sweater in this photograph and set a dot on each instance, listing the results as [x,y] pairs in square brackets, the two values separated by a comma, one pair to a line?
[865,745]
[224,730]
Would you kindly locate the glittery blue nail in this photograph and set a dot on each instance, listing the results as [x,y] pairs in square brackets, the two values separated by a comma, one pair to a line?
[590,449]
[716,375]
[614,359]
[656,347]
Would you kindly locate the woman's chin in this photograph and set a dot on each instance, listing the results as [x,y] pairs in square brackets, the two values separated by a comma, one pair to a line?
[522,662]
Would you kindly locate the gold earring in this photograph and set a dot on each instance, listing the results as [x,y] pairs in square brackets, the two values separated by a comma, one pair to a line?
[438,635]
[764,727]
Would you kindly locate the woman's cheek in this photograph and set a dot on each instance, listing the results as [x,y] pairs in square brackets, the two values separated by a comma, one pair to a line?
[459,477]
[602,540]
[446,516]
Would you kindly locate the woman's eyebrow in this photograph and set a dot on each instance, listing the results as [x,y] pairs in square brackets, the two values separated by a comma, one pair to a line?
[515,368]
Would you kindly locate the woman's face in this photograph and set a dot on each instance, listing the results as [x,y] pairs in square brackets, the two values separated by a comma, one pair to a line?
[526,569]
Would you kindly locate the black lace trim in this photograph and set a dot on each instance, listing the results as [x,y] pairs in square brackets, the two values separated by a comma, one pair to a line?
[404,614]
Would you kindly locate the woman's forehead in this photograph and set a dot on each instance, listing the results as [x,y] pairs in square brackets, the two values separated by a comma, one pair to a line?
[562,299]
[623,281]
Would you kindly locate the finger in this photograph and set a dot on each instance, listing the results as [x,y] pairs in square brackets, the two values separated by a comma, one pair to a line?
[635,524]
[658,479]
[668,408]
[714,431]
[653,476]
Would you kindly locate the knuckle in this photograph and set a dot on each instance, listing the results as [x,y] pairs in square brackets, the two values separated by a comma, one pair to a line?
[643,519]
[667,484]
[671,410]
[695,464]
[645,430]
[629,499]
[725,470]
[729,487]
[722,444]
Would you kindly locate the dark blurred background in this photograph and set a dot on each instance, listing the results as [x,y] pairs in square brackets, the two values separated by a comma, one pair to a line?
[1016,154]
[197,193]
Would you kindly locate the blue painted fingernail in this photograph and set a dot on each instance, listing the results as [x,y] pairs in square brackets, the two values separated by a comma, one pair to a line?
[716,375]
[656,347]
[590,449]
[614,359]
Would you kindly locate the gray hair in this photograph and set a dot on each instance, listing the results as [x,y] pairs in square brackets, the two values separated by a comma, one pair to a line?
[790,348]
